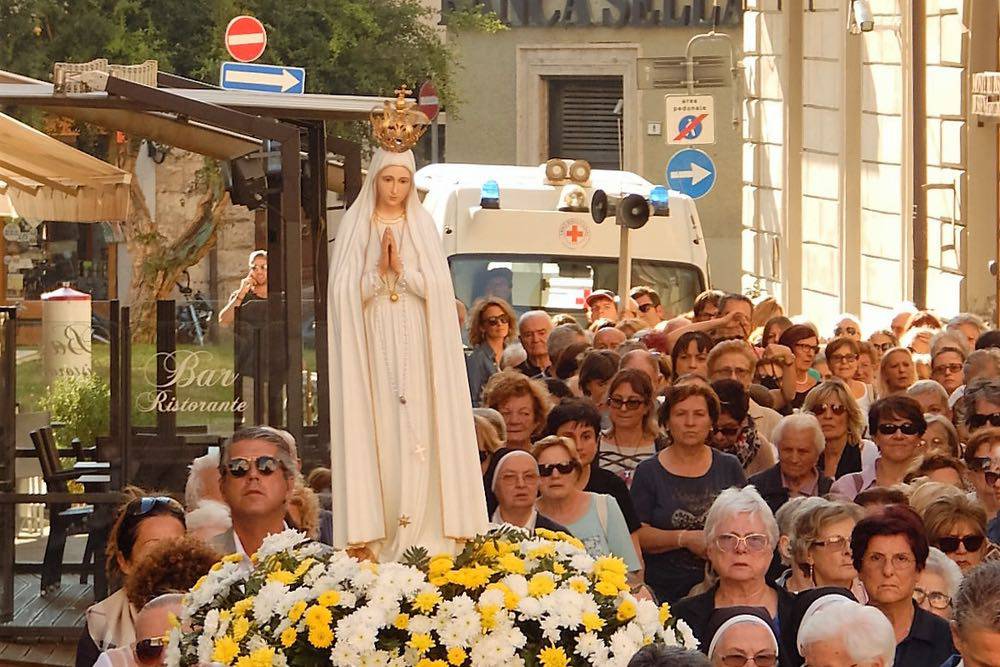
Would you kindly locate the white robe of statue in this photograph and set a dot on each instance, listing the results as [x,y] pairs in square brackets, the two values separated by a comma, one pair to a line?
[405,464]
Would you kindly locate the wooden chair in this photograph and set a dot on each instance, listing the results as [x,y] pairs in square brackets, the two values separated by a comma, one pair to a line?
[66,519]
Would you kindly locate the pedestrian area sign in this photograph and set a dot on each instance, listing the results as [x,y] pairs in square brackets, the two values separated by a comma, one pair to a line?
[690,119]
[262,78]
[691,172]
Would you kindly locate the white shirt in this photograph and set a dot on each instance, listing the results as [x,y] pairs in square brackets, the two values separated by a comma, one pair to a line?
[243,552]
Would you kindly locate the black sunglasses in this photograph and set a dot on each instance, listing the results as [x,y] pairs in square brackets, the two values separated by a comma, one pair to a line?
[496,319]
[646,307]
[978,421]
[546,470]
[143,506]
[266,465]
[149,651]
[908,428]
[628,404]
[980,463]
[949,545]
[728,431]
[991,477]
[821,408]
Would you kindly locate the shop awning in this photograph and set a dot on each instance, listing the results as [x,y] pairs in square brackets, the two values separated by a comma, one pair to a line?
[44,179]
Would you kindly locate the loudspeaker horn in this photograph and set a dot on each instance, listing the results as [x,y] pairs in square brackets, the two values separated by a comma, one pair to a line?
[631,211]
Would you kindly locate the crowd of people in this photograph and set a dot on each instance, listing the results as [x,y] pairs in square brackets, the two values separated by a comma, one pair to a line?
[775,482]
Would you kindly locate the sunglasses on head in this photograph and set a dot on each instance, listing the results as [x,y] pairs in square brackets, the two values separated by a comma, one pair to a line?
[949,545]
[978,421]
[496,320]
[143,506]
[546,469]
[265,465]
[822,408]
[907,428]
[149,651]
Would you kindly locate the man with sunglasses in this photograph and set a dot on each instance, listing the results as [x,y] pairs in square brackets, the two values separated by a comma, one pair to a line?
[152,624]
[258,473]
[650,308]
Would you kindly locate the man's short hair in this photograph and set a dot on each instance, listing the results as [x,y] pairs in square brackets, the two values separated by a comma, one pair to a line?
[800,421]
[708,297]
[533,313]
[286,455]
[921,387]
[977,604]
[644,290]
[562,337]
[732,296]
[661,655]
[988,339]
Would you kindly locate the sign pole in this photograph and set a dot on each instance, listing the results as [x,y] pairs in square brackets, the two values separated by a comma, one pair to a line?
[624,268]
[434,141]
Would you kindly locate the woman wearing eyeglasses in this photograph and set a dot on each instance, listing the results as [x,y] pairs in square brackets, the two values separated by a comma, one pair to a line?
[744,636]
[898,425]
[634,435]
[821,545]
[674,490]
[882,341]
[490,330]
[593,518]
[735,432]
[842,354]
[937,584]
[141,525]
[982,456]
[802,340]
[957,526]
[741,535]
[890,551]
[843,424]
[947,367]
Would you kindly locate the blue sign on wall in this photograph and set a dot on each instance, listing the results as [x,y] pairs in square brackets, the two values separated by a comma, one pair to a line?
[262,78]
[692,172]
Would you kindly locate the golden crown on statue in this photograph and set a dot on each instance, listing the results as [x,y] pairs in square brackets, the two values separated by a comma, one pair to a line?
[398,125]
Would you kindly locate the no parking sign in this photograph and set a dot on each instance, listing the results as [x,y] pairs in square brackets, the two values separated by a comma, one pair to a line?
[690,119]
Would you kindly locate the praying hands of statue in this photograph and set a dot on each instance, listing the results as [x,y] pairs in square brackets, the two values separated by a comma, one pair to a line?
[390,259]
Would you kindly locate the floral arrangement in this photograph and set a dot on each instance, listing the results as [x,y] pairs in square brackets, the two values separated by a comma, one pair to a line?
[510,598]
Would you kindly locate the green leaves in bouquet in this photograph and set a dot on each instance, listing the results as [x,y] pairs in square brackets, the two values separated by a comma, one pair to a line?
[417,557]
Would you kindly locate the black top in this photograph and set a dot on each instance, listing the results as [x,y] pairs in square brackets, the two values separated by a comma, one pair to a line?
[605,481]
[530,369]
[850,460]
[929,642]
[87,652]
[697,612]
[251,318]
[768,483]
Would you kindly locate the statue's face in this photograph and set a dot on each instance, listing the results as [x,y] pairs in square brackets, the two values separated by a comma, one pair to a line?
[393,186]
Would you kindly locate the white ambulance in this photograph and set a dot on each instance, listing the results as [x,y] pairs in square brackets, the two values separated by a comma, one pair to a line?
[522,245]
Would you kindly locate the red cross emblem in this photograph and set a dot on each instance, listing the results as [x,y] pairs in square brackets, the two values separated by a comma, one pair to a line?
[582,301]
[574,233]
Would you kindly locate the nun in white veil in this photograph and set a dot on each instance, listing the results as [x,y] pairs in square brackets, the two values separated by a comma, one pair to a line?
[404,457]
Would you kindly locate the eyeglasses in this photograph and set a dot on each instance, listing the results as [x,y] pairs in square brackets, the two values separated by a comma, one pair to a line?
[496,320]
[760,660]
[842,358]
[149,651]
[546,469]
[845,331]
[949,545]
[835,543]
[907,428]
[754,542]
[899,561]
[265,465]
[807,348]
[728,431]
[628,404]
[978,421]
[948,368]
[936,599]
[991,477]
[883,347]
[980,463]
[822,408]
[732,372]
[143,506]
[646,307]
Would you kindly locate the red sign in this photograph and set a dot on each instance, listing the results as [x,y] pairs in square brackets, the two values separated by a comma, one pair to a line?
[245,38]
[427,99]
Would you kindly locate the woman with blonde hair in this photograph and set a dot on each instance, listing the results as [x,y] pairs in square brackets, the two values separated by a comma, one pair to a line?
[843,426]
[821,545]
[491,329]
[487,439]
[896,372]
[957,526]
[843,356]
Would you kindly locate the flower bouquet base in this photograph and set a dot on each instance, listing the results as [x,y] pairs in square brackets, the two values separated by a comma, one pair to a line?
[510,598]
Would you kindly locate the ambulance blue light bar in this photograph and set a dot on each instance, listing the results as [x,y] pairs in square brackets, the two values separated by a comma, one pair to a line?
[490,195]
[659,199]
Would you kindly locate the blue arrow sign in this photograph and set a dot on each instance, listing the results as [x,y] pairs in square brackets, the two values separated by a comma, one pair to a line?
[262,78]
[692,172]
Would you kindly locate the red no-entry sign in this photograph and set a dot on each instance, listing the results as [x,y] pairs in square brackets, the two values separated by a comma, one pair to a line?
[245,38]
[427,99]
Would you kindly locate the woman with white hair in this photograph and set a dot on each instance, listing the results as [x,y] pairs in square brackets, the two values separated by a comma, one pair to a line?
[207,513]
[937,584]
[741,534]
[842,632]
[800,443]
[743,635]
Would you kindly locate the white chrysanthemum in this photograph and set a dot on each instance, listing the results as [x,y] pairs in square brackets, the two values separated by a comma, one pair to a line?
[343,655]
[624,643]
[517,584]
[588,645]
[687,635]
[550,628]
[491,598]
[267,600]
[172,657]
[205,650]
[277,543]
[420,625]
[582,562]
[211,622]
[647,615]
[530,607]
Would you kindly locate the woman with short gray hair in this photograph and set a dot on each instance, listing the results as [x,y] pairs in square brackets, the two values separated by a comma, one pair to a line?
[741,534]
[800,442]
[823,636]
[937,584]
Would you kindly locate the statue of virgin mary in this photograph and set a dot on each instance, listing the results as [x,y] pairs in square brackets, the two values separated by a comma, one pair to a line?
[404,459]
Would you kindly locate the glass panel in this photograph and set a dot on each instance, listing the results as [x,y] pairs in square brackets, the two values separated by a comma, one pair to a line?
[560,284]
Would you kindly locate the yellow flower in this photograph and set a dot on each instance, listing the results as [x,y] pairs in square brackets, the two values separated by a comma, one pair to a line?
[476,577]
[317,616]
[489,549]
[543,551]
[592,622]
[198,583]
[511,563]
[646,641]
[456,655]
[420,642]
[304,567]
[295,613]
[232,558]
[426,662]
[546,533]
[553,657]
[216,567]
[559,568]
[610,564]
[664,613]
[241,626]
[173,621]
[426,601]
[626,611]
[329,599]
[262,657]
[541,585]
[243,606]
[579,585]
[283,576]
[289,636]
[401,622]
[320,636]
[440,564]
[488,616]
[510,599]
[606,588]
[225,650]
